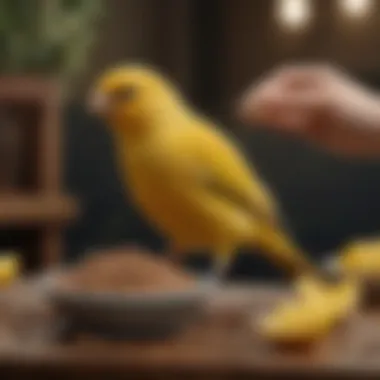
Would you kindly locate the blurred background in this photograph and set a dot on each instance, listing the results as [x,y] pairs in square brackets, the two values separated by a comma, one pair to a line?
[214,50]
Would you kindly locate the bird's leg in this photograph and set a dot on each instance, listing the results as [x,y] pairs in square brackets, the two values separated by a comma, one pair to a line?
[221,265]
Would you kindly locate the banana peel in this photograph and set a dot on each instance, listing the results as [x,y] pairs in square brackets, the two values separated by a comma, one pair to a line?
[9,269]
[312,315]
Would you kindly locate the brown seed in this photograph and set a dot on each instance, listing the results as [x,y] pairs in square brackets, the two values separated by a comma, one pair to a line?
[126,270]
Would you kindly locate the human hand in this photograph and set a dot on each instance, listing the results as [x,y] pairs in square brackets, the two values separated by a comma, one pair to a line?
[320,104]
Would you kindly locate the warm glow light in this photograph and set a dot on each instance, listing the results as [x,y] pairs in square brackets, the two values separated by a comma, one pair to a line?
[356,8]
[294,14]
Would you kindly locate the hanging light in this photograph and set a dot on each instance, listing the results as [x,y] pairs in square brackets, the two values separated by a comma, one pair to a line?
[293,14]
[356,8]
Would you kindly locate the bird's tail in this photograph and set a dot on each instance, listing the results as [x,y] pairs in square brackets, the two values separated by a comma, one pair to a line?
[283,252]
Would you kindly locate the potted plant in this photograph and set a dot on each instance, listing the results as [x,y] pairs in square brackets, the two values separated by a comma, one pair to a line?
[44,46]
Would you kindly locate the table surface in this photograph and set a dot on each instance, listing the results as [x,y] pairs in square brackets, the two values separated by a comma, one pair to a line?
[224,344]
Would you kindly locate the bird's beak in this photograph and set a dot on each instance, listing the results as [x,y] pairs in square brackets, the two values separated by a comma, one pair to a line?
[97,103]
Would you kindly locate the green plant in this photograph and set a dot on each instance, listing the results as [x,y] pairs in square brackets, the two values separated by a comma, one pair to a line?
[52,37]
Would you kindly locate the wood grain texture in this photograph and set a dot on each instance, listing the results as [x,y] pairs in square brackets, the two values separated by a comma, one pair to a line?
[223,345]
[33,210]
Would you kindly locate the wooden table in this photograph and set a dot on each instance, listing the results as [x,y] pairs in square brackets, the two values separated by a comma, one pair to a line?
[224,345]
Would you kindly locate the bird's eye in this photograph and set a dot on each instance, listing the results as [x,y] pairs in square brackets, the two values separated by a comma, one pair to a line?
[124,94]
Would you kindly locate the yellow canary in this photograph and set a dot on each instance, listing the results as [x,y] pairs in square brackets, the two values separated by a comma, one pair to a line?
[187,177]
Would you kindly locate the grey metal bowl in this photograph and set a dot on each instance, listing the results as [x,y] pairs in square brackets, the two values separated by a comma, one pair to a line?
[132,316]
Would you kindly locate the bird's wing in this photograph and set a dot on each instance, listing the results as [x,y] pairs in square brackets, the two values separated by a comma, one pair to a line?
[223,170]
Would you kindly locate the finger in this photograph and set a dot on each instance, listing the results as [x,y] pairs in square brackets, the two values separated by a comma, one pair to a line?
[292,78]
[293,112]
[294,74]
[288,92]
[249,102]
[255,99]
[304,76]
[307,69]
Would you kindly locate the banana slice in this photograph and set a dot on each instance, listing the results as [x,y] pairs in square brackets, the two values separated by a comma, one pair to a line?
[9,268]
[361,257]
[311,316]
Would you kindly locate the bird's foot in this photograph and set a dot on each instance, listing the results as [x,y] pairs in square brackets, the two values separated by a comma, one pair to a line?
[219,271]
